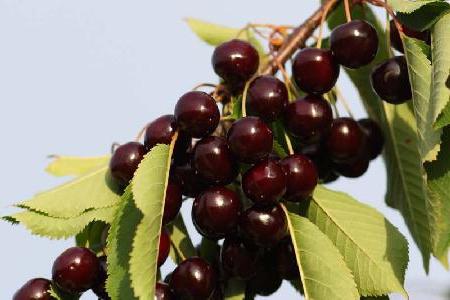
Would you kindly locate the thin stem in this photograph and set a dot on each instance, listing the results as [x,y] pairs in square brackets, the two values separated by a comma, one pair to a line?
[322,22]
[244,97]
[288,81]
[114,146]
[348,14]
[205,84]
[227,118]
[390,53]
[344,102]
[288,143]
[141,133]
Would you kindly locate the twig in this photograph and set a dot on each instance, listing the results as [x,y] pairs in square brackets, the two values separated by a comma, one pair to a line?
[348,14]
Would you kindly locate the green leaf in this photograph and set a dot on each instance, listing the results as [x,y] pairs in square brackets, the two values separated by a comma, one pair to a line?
[75,166]
[91,191]
[440,49]
[323,271]
[375,251]
[408,6]
[279,150]
[425,17]
[235,290]
[93,236]
[149,189]
[119,247]
[236,107]
[58,228]
[425,108]
[181,244]
[209,250]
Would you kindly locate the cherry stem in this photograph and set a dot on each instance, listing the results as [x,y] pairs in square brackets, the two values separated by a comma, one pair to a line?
[141,133]
[202,85]
[348,14]
[288,143]
[322,22]
[114,146]
[343,101]
[244,97]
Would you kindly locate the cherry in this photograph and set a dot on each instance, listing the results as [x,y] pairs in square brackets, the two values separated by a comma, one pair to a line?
[164,247]
[375,137]
[163,292]
[354,44]
[265,226]
[308,118]
[250,139]
[99,288]
[216,211]
[76,270]
[36,289]
[265,182]
[391,82]
[197,114]
[301,177]
[188,179]
[235,61]
[324,165]
[286,261]
[267,96]
[266,280]
[396,41]
[239,259]
[346,140]
[315,70]
[125,161]
[214,161]
[173,202]
[193,279]
[354,169]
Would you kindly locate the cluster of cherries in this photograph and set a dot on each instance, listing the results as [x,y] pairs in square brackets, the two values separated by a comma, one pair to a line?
[211,168]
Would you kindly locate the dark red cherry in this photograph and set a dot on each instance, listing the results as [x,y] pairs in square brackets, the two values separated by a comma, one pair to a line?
[286,261]
[374,136]
[76,270]
[250,139]
[308,118]
[214,161]
[346,140]
[239,259]
[34,289]
[197,114]
[324,167]
[267,96]
[163,292]
[125,161]
[396,41]
[265,182]
[315,70]
[172,203]
[193,279]
[354,169]
[264,225]
[391,82]
[266,280]
[188,179]
[354,44]
[164,247]
[235,61]
[99,288]
[216,211]
[301,177]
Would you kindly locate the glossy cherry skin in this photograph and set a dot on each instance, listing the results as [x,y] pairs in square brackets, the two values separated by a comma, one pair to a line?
[354,44]
[214,161]
[346,140]
[266,280]
[235,61]
[391,82]
[265,182]
[354,169]
[308,118]
[34,289]
[188,179]
[164,247]
[315,70]
[264,225]
[267,96]
[197,114]
[374,137]
[125,161]
[76,270]
[193,279]
[301,177]
[239,259]
[216,212]
[250,139]
[396,41]
[99,288]
[163,292]
[286,261]
[172,203]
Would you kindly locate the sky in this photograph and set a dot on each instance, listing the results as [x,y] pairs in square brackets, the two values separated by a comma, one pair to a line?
[76,76]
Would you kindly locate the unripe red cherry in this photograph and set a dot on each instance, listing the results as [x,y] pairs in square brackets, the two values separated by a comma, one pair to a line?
[214,161]
[239,259]
[396,41]
[315,70]
[125,161]
[216,211]
[34,289]
[235,61]
[346,140]
[308,118]
[267,96]
[163,292]
[391,82]
[173,202]
[286,261]
[265,182]
[375,137]
[354,44]
[250,139]
[100,286]
[164,247]
[76,270]
[301,177]
[193,279]
[353,169]
[264,226]
[197,114]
